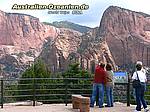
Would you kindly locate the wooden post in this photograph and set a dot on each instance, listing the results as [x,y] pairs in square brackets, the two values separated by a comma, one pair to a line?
[128,91]
[2,98]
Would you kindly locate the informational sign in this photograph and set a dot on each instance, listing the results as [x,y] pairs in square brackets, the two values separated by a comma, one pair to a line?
[120,77]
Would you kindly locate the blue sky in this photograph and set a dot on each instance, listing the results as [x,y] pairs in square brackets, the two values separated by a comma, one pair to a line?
[90,17]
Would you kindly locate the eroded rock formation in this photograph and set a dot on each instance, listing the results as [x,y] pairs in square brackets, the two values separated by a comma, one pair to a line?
[122,38]
[127,34]
[24,38]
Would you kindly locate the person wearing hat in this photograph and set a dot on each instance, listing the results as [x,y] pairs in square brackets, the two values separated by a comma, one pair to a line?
[139,91]
[140,63]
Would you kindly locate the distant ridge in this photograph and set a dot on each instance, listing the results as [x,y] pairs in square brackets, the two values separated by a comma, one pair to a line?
[21,14]
[70,25]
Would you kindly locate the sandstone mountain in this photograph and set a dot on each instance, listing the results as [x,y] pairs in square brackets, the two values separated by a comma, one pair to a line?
[127,34]
[24,38]
[70,47]
[122,38]
[21,39]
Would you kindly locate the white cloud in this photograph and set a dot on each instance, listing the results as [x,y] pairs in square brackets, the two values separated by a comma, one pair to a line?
[139,5]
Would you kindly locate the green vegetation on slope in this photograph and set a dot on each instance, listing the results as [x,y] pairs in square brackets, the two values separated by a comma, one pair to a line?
[48,89]
[70,25]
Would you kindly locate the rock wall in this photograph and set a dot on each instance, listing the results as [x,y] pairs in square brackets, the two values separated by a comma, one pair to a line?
[122,38]
[21,39]
[127,34]
[23,31]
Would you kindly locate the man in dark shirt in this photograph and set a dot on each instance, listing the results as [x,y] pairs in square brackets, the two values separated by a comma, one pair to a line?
[98,85]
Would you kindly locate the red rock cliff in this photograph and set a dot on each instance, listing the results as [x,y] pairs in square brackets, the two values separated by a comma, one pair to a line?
[127,34]
[23,31]
[23,38]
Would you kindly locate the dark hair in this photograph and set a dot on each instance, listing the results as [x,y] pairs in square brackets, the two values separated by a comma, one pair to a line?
[102,65]
[108,67]
[138,67]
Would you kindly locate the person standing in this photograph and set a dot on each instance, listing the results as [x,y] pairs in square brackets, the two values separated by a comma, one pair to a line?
[98,85]
[139,91]
[109,85]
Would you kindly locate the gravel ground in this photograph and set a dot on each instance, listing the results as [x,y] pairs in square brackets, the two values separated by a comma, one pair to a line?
[118,107]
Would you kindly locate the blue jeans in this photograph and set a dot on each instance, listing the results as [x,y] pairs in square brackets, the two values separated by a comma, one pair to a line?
[109,96]
[139,92]
[97,88]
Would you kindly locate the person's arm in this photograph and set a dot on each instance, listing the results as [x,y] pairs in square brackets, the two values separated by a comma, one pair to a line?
[134,76]
[113,77]
[145,77]
[105,77]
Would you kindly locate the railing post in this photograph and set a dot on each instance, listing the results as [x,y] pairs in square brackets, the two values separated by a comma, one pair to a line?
[34,92]
[128,91]
[2,98]
[66,90]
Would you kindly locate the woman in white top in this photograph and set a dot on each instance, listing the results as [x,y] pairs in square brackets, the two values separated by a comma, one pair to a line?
[139,91]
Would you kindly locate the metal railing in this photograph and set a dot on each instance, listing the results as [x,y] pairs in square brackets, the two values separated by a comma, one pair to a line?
[56,90]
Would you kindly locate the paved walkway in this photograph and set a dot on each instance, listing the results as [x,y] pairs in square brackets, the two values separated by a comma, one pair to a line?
[62,108]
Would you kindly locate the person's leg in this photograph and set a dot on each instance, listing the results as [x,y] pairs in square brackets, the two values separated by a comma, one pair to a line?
[101,95]
[108,96]
[134,96]
[94,94]
[97,96]
[142,96]
[111,97]
[138,99]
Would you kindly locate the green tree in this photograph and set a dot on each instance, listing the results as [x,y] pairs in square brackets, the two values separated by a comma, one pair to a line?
[26,85]
[74,71]
[49,90]
[81,82]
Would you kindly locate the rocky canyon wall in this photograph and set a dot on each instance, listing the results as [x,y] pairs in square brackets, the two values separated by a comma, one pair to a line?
[127,34]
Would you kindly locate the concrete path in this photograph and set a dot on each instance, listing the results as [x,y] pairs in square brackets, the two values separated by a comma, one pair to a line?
[62,108]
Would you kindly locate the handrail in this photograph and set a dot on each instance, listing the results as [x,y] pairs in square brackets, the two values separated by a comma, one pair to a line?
[62,91]
[74,78]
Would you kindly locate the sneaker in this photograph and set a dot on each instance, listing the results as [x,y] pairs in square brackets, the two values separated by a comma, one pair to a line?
[137,111]
[146,110]
[142,107]
[92,106]
[107,106]
[101,106]
[112,105]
